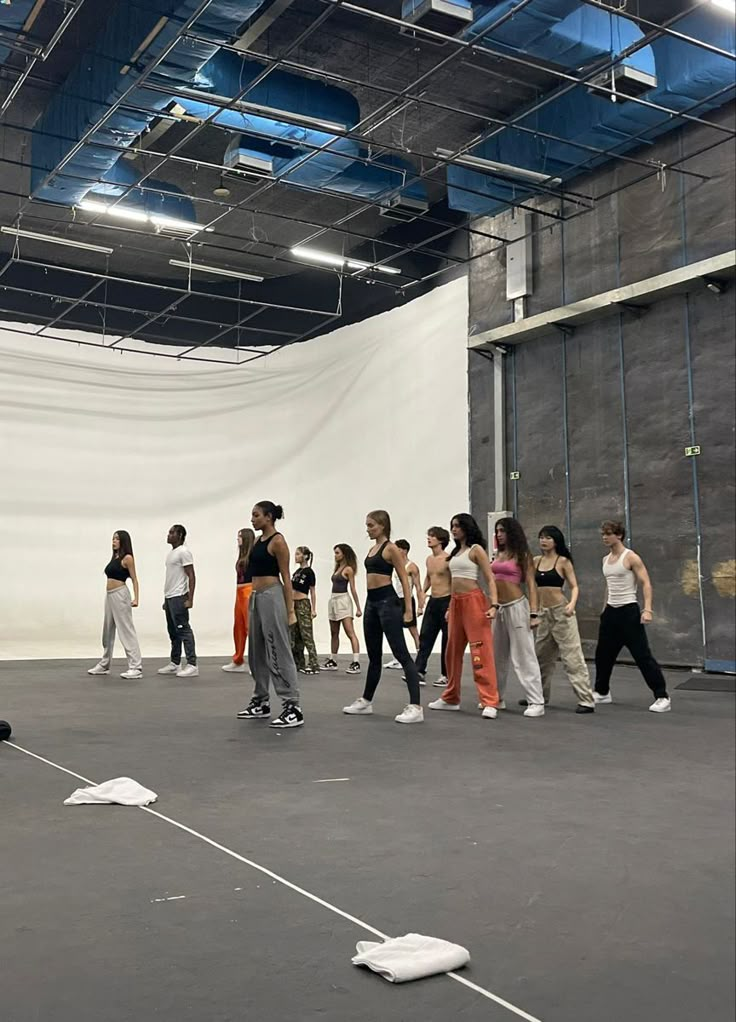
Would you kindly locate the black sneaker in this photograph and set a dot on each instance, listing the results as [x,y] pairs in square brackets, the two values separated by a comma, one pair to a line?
[290,716]
[255,710]
[329,665]
[584,708]
[310,670]
[353,668]
[525,702]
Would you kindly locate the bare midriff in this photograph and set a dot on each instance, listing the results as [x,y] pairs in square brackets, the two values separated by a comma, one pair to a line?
[114,583]
[439,578]
[508,592]
[262,582]
[464,585]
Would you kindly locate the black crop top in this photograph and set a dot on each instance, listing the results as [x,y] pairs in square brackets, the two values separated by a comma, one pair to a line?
[262,561]
[376,564]
[303,580]
[244,575]
[339,583]
[550,579]
[115,570]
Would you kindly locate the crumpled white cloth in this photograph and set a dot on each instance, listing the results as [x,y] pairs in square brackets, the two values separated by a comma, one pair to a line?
[413,956]
[122,791]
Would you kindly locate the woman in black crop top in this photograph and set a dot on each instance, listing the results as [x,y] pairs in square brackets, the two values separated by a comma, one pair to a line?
[119,608]
[243,589]
[343,608]
[558,628]
[303,584]
[271,613]
[384,617]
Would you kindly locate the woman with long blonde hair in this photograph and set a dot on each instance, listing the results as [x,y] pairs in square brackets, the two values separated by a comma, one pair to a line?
[244,587]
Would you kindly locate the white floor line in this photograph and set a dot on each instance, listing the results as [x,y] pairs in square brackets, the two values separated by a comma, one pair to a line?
[330,780]
[285,883]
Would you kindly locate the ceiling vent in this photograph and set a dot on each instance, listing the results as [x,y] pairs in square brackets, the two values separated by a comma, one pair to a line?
[624,81]
[404,208]
[446,16]
[248,163]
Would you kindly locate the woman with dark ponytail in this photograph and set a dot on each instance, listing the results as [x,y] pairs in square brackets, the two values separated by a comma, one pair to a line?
[303,582]
[271,614]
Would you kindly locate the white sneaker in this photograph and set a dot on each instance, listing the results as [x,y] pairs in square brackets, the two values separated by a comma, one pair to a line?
[393,665]
[440,704]
[602,699]
[501,705]
[441,682]
[489,712]
[661,706]
[131,675]
[410,715]
[98,669]
[190,671]
[359,706]
[235,668]
[535,710]
[169,669]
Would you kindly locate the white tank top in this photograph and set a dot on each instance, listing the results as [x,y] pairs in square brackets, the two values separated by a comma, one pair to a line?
[621,581]
[462,567]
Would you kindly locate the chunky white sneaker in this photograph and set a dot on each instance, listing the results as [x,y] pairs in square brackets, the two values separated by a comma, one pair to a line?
[190,671]
[535,710]
[98,669]
[359,706]
[441,682]
[410,715]
[131,675]
[440,704]
[602,699]
[489,712]
[233,668]
[169,669]
[393,665]
[661,706]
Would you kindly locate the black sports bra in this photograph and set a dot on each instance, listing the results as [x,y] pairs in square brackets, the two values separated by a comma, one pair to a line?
[550,579]
[262,562]
[376,564]
[115,570]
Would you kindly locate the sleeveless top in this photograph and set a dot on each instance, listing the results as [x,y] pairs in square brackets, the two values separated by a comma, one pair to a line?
[549,579]
[115,570]
[461,566]
[506,571]
[262,562]
[339,583]
[375,564]
[244,575]
[620,581]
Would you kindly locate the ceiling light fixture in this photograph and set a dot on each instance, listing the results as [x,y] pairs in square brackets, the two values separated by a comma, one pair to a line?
[219,270]
[314,255]
[494,167]
[52,240]
[164,223]
[725,5]
[272,112]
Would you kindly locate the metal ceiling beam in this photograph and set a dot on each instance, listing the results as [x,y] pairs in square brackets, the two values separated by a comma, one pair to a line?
[262,23]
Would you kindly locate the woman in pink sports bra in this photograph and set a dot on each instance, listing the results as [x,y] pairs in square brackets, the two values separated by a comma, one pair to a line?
[513,639]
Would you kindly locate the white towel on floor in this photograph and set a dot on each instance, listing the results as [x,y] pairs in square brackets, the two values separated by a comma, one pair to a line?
[400,959]
[122,791]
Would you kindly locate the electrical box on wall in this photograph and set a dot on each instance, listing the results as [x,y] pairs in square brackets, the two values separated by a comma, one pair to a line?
[519,256]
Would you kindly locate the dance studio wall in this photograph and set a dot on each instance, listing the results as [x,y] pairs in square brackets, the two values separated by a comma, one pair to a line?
[372,415]
[597,421]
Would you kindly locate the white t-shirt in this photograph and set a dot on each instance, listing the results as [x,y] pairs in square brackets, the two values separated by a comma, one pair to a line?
[177,583]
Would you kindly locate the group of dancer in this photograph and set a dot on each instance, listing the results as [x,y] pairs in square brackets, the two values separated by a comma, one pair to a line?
[494,607]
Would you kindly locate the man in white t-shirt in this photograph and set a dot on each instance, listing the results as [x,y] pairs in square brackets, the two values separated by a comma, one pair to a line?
[178,601]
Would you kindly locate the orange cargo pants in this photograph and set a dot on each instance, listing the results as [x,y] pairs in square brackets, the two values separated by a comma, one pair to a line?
[240,627]
[468,625]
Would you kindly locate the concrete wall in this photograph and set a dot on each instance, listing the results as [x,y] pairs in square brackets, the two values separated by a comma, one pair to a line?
[597,421]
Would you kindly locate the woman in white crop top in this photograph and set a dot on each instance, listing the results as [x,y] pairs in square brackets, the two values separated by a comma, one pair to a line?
[469,618]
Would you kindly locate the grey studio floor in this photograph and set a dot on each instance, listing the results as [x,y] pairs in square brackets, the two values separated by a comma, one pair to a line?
[585,862]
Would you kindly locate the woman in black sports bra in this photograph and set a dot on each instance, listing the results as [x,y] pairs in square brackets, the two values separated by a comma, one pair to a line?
[558,628]
[119,609]
[384,617]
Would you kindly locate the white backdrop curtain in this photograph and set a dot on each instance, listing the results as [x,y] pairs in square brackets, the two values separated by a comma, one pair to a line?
[372,415]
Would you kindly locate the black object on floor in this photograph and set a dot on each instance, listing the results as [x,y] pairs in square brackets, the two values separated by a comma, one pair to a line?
[708,683]
[5,730]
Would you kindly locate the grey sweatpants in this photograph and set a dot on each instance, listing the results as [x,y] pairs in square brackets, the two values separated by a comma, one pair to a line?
[513,650]
[269,645]
[119,619]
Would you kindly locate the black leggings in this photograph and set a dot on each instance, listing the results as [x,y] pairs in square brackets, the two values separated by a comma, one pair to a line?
[384,615]
[433,622]
[621,626]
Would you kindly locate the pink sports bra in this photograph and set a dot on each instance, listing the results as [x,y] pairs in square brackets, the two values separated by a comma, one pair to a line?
[506,571]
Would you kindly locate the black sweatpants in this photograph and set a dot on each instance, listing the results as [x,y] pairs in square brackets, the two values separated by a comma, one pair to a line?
[433,622]
[621,626]
[180,631]
[384,615]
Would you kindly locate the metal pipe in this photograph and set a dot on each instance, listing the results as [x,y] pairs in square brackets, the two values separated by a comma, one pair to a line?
[499,429]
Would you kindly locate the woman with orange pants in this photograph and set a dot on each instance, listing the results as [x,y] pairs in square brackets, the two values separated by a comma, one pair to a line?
[469,619]
[244,577]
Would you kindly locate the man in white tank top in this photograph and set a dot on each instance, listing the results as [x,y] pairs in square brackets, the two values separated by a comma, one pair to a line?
[622,620]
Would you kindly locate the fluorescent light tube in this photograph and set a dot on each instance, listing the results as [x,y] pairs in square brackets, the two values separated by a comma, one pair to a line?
[168,223]
[274,113]
[165,223]
[493,167]
[219,270]
[330,259]
[725,5]
[18,233]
